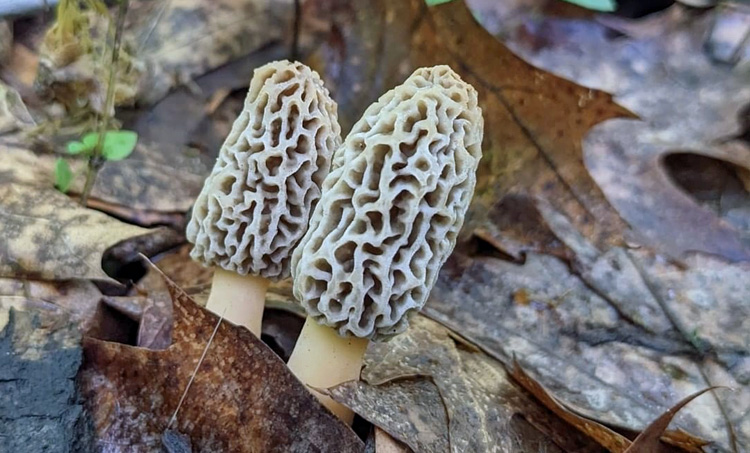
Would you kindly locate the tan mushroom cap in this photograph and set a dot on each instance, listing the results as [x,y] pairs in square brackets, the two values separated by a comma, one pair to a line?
[255,205]
[392,207]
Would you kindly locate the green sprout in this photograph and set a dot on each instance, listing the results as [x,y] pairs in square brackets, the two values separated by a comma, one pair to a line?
[117,145]
[63,175]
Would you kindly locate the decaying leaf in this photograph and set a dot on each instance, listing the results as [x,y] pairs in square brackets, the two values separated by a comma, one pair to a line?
[195,279]
[626,158]
[139,217]
[602,365]
[187,38]
[607,438]
[189,275]
[139,320]
[435,395]
[152,179]
[393,406]
[150,182]
[76,237]
[77,299]
[282,319]
[230,406]
[46,235]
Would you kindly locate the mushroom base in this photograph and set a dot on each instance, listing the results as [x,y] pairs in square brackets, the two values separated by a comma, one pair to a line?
[239,298]
[323,359]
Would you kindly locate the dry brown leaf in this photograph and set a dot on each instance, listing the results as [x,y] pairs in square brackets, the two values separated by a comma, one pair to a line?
[186,273]
[151,185]
[243,398]
[649,440]
[436,395]
[151,179]
[21,70]
[656,73]
[140,217]
[32,173]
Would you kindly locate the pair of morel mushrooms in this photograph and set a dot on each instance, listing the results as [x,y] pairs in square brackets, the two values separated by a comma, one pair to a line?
[363,227]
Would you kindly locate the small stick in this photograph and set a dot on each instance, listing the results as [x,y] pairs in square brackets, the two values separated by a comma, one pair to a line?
[195,372]
[295,30]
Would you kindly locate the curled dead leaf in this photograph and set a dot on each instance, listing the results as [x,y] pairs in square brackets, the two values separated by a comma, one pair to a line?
[648,440]
[242,398]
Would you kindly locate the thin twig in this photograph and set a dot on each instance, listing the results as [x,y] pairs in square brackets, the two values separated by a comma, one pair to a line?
[295,30]
[195,371]
[96,160]
[731,433]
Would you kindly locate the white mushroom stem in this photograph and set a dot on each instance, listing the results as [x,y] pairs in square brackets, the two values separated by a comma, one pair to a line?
[240,298]
[323,359]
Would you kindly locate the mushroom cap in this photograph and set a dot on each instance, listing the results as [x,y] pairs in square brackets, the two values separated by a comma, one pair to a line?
[392,207]
[255,205]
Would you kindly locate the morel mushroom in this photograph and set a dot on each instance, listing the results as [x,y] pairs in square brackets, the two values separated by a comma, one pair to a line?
[391,210]
[255,206]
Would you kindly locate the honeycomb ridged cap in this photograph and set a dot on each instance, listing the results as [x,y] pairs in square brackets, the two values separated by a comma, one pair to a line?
[255,205]
[392,207]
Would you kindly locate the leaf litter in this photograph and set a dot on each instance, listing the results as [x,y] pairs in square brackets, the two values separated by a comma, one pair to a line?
[552,270]
[615,332]
[230,405]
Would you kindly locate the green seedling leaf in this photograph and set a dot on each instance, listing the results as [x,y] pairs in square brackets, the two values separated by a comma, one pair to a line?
[119,144]
[436,2]
[63,175]
[85,146]
[89,140]
[77,148]
[607,6]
